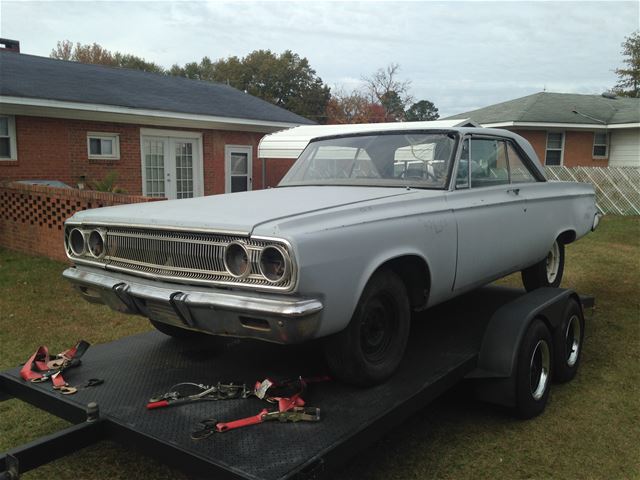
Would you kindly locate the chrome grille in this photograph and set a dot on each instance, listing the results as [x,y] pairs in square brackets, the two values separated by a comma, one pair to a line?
[187,257]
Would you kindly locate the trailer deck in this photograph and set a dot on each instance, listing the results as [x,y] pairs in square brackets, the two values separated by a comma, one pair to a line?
[443,349]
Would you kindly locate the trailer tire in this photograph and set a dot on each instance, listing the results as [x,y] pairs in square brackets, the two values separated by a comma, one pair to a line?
[548,271]
[533,371]
[567,342]
[369,350]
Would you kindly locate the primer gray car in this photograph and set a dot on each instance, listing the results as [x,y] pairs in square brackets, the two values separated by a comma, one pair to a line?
[363,228]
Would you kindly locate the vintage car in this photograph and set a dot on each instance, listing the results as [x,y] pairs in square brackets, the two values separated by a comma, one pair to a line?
[365,227]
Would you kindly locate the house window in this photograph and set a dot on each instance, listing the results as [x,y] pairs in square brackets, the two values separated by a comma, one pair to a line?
[8,149]
[555,144]
[103,146]
[600,144]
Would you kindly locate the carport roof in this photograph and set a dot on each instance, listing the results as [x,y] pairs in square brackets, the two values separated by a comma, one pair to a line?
[39,78]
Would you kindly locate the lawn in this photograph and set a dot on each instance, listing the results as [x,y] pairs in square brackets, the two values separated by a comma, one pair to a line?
[591,429]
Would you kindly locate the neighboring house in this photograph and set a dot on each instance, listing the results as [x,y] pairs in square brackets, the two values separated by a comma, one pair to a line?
[165,136]
[570,129]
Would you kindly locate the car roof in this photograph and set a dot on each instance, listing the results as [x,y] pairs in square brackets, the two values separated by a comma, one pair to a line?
[291,142]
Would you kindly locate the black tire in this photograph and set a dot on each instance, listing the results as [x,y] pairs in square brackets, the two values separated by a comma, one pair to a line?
[534,370]
[370,349]
[567,343]
[547,272]
[177,332]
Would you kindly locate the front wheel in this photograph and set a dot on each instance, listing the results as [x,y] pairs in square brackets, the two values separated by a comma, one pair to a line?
[547,272]
[370,349]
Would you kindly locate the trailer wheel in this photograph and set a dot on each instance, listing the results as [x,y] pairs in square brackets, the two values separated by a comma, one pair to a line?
[370,349]
[567,343]
[547,272]
[177,332]
[533,375]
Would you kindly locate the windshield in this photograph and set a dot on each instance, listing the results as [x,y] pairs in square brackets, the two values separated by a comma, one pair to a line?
[419,160]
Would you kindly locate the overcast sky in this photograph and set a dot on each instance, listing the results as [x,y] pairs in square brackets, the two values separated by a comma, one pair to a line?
[460,55]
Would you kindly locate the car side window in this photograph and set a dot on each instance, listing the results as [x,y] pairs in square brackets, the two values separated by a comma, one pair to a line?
[488,163]
[520,173]
[462,176]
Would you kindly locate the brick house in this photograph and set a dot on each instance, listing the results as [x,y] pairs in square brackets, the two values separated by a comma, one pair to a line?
[164,136]
[570,129]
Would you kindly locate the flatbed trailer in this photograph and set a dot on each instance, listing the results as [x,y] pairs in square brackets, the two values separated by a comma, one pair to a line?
[464,338]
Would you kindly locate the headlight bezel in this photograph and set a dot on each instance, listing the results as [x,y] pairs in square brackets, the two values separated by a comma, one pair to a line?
[243,250]
[70,242]
[286,260]
[101,235]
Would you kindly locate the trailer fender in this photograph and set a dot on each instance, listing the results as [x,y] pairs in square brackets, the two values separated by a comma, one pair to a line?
[497,360]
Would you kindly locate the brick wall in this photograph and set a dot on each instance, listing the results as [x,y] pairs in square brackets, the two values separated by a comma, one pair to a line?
[276,168]
[32,217]
[578,147]
[56,149]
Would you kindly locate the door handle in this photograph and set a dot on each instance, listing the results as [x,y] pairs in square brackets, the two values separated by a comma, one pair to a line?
[515,191]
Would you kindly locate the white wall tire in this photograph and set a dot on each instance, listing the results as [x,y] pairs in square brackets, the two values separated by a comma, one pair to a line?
[548,272]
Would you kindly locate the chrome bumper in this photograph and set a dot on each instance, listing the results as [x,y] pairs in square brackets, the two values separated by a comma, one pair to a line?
[274,318]
[596,221]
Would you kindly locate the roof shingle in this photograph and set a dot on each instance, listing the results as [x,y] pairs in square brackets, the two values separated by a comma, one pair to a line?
[548,107]
[49,79]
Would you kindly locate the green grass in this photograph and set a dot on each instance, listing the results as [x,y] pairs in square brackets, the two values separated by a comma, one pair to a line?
[591,429]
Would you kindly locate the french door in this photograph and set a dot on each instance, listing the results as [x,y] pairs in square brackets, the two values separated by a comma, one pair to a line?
[171,167]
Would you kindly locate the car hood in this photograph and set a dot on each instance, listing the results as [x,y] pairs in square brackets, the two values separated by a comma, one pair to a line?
[238,212]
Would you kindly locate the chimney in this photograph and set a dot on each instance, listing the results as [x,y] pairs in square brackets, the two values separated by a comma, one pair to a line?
[10,45]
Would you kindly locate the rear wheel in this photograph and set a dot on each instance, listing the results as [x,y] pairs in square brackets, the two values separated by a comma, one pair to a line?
[547,272]
[370,349]
[533,376]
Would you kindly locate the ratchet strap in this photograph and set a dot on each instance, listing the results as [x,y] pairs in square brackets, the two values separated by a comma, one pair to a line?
[42,367]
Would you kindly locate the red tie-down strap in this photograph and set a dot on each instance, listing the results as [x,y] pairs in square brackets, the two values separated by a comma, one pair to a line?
[41,367]
[243,422]
[286,404]
[37,363]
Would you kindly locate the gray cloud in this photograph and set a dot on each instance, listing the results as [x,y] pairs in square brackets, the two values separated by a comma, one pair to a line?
[461,55]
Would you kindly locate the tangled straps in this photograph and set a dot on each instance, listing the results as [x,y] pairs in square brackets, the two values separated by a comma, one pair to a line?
[42,367]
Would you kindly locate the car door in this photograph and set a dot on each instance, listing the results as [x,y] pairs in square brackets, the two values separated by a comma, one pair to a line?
[490,213]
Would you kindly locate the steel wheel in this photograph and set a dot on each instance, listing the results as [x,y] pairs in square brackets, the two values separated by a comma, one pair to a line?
[370,348]
[548,271]
[539,369]
[553,263]
[378,327]
[572,337]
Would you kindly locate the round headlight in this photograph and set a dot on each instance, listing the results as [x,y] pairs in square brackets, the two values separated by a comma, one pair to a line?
[77,244]
[274,263]
[236,259]
[96,243]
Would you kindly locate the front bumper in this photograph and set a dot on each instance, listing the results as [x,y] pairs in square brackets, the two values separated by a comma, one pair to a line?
[274,318]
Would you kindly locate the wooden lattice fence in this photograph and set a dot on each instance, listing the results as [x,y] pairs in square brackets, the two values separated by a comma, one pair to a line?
[617,188]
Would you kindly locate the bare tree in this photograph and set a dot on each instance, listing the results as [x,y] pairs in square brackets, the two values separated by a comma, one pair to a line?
[385,88]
